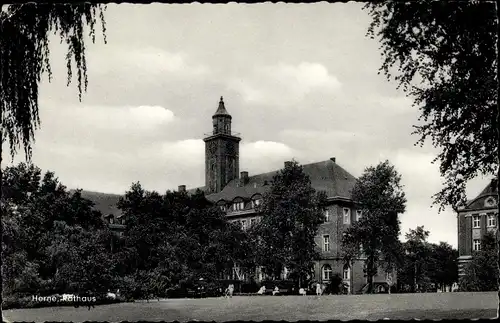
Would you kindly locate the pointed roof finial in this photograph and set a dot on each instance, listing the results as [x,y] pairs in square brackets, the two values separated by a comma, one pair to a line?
[221,110]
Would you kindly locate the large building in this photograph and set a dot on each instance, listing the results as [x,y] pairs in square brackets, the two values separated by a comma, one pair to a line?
[238,193]
[475,218]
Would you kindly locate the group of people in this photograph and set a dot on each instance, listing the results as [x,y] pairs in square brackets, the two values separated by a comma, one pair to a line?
[302,291]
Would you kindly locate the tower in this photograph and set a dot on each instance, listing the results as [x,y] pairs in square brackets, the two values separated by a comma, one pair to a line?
[222,152]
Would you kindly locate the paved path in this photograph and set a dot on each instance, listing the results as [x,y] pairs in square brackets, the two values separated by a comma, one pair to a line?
[289,308]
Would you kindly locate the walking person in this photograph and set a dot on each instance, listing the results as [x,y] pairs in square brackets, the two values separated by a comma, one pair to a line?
[230,290]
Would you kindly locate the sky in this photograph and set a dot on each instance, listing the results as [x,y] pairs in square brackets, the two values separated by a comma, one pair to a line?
[300,81]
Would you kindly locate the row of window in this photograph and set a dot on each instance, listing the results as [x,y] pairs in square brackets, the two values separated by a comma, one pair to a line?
[326,273]
[238,206]
[491,220]
[247,223]
[120,220]
[346,215]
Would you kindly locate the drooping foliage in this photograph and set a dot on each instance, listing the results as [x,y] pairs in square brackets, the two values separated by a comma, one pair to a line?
[24,53]
[444,55]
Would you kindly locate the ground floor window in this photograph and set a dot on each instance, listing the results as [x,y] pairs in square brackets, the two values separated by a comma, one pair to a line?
[327,272]
[346,275]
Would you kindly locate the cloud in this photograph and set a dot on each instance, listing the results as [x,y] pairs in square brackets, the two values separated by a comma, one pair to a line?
[157,61]
[128,119]
[146,61]
[284,84]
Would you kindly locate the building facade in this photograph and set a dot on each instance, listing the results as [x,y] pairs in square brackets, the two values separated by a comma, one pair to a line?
[238,194]
[477,217]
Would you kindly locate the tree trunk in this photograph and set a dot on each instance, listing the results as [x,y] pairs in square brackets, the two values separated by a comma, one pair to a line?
[369,272]
[415,276]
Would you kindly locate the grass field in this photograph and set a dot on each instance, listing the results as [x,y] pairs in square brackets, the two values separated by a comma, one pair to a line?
[289,308]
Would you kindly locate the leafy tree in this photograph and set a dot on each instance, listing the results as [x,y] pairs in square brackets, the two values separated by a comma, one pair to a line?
[81,259]
[24,35]
[18,273]
[293,211]
[173,240]
[380,196]
[417,252]
[50,233]
[443,265]
[482,272]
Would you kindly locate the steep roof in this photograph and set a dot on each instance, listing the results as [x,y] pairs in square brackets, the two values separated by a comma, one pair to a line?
[325,176]
[221,110]
[104,202]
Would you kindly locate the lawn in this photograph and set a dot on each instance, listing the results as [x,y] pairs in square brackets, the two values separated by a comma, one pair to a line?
[289,308]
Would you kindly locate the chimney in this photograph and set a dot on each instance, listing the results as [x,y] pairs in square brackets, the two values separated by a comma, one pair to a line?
[244,178]
[182,188]
[332,159]
[288,163]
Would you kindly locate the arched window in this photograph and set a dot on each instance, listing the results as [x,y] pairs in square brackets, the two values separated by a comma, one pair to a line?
[327,272]
[346,274]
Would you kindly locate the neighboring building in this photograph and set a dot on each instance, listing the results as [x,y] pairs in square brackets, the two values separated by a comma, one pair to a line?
[237,193]
[477,217]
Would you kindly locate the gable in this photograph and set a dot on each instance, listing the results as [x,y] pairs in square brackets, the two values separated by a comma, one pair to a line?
[488,194]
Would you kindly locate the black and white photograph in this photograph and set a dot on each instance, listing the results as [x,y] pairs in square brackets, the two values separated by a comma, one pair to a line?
[249,162]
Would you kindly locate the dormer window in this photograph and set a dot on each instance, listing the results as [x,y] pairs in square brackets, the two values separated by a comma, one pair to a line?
[223,208]
[359,213]
[111,220]
[347,216]
[238,206]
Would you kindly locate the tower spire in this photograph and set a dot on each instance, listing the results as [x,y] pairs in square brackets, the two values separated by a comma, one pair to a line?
[221,110]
